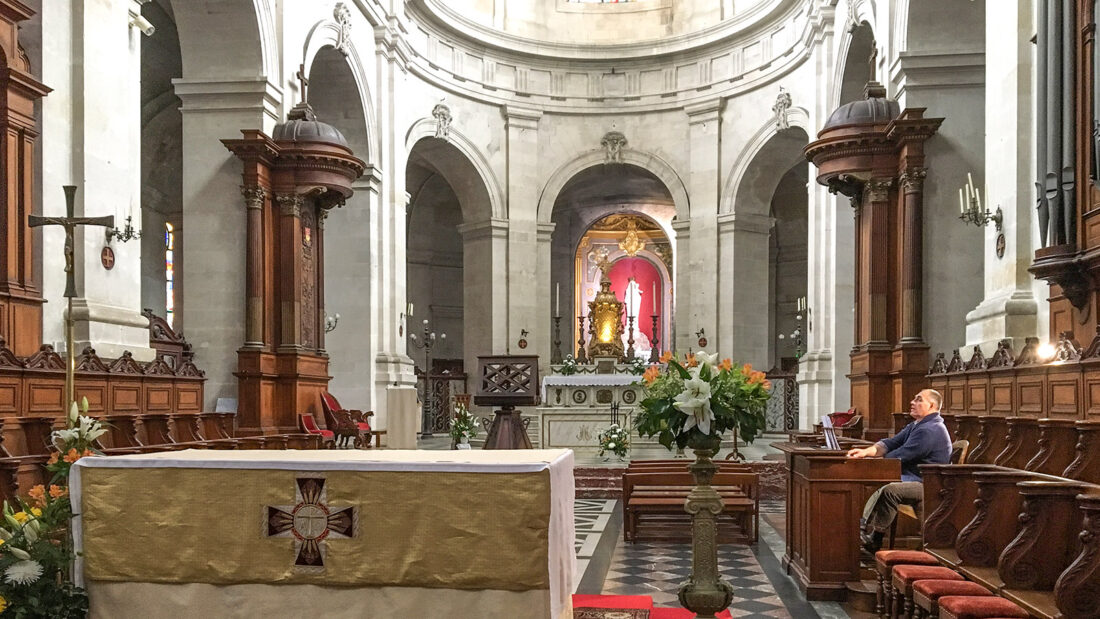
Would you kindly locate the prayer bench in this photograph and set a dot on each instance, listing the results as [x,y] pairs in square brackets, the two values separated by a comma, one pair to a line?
[663,493]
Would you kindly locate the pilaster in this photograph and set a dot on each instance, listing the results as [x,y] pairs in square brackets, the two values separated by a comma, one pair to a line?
[528,302]
[743,324]
[704,151]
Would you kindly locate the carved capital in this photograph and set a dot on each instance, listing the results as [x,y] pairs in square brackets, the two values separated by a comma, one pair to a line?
[253,196]
[912,179]
[878,189]
[289,204]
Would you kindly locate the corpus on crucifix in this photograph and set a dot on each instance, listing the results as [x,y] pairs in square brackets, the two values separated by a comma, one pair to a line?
[69,222]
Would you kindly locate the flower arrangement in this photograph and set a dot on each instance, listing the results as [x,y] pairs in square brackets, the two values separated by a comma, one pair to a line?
[36,553]
[615,440]
[637,366]
[463,426]
[694,400]
[569,366]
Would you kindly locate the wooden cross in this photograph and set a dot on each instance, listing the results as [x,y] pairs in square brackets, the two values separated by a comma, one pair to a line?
[310,522]
[301,75]
[69,222]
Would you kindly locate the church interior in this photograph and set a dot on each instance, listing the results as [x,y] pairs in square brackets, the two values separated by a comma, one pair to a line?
[578,309]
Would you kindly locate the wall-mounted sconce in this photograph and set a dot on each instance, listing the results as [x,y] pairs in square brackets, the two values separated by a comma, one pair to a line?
[702,338]
[971,210]
[128,232]
[331,321]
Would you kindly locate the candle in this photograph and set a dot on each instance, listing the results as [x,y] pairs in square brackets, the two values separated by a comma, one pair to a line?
[962,203]
[557,302]
[969,182]
[410,309]
[654,298]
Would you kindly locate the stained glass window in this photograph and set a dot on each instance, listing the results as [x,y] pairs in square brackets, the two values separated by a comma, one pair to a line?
[169,272]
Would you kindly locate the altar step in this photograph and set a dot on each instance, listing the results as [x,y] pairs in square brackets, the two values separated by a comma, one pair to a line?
[599,482]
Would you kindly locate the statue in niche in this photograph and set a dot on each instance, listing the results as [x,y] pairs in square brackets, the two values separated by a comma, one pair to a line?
[632,297]
[782,109]
[613,143]
[442,115]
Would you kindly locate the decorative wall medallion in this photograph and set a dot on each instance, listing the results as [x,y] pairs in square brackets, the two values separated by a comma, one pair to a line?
[522,339]
[442,115]
[1000,245]
[613,143]
[311,521]
[702,342]
[630,396]
[603,396]
[632,244]
[107,258]
[580,396]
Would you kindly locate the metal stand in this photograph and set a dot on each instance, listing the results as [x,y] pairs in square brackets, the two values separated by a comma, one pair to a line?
[630,339]
[555,357]
[654,355]
[703,592]
[582,357]
[426,343]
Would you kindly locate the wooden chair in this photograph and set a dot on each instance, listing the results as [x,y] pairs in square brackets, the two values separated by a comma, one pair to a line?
[960,449]
[334,413]
[307,424]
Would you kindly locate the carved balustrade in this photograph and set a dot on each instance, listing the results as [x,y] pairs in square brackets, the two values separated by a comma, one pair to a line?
[1021,444]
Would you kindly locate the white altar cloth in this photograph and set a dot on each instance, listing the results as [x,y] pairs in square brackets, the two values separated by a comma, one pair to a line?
[126,508]
[587,380]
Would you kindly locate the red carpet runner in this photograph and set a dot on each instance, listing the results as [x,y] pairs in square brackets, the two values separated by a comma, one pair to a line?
[627,607]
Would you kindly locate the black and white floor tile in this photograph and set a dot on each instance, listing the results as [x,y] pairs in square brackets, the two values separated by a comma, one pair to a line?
[591,518]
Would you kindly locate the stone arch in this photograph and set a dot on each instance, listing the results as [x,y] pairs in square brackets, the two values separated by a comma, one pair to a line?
[855,49]
[325,34]
[799,119]
[470,162]
[766,160]
[649,162]
[227,38]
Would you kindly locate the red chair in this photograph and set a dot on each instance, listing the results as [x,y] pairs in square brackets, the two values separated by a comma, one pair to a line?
[338,417]
[307,424]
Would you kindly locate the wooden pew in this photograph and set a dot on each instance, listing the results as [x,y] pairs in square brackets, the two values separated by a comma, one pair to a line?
[1077,591]
[991,440]
[1057,446]
[952,510]
[1086,463]
[664,494]
[1021,444]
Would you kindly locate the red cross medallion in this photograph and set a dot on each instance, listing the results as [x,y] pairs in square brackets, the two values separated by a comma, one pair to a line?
[311,521]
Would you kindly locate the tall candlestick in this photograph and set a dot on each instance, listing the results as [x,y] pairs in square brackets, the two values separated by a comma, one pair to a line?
[557,303]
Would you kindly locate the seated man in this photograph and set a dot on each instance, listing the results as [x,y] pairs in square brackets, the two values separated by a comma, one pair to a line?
[923,441]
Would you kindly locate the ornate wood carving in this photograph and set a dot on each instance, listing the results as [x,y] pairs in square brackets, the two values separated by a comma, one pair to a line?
[186,427]
[126,365]
[977,360]
[1029,355]
[1003,357]
[88,361]
[122,429]
[956,508]
[1086,463]
[991,439]
[157,367]
[1057,439]
[1021,444]
[1045,545]
[1077,591]
[939,365]
[995,517]
[956,364]
[7,357]
[45,359]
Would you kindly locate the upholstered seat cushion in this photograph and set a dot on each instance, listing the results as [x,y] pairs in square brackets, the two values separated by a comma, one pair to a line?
[906,575]
[887,558]
[926,592]
[978,607]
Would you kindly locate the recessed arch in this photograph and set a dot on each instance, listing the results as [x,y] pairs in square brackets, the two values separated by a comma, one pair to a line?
[754,180]
[325,35]
[649,162]
[480,201]
[799,119]
[227,39]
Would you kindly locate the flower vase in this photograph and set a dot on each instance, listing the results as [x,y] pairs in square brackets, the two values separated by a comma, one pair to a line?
[463,443]
[703,592]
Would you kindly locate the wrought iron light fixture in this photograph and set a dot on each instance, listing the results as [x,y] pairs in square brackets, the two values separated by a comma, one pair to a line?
[128,233]
[971,210]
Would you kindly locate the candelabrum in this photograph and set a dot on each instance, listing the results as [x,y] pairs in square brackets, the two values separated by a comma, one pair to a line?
[582,356]
[555,356]
[128,232]
[426,343]
[796,335]
[630,339]
[971,210]
[654,348]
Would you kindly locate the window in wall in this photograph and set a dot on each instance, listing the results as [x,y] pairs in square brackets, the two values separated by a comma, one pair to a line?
[169,272]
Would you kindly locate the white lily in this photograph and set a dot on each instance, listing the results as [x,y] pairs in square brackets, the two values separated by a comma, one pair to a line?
[74,413]
[67,435]
[694,402]
[703,358]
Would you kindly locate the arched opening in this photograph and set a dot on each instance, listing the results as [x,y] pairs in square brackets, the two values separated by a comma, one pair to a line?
[335,97]
[449,271]
[857,64]
[593,216]
[161,214]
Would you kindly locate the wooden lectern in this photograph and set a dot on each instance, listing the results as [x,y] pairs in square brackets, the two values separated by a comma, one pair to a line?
[826,492]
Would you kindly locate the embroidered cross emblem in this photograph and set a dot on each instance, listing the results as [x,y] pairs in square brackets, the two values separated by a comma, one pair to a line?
[311,521]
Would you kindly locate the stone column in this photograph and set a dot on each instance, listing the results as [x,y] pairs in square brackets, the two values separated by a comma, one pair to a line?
[216,219]
[350,270]
[545,345]
[683,328]
[695,301]
[255,199]
[744,237]
[1009,307]
[528,302]
[485,272]
[92,139]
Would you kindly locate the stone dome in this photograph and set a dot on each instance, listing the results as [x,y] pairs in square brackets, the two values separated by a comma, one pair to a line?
[302,126]
[876,109]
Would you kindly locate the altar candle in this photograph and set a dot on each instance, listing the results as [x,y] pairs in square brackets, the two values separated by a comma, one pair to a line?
[557,300]
[654,298]
[962,202]
[969,183]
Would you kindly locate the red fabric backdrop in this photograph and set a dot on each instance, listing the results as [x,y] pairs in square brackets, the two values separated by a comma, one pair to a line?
[646,275]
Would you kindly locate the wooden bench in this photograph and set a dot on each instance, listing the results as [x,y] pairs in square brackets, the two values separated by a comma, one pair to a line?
[663,493]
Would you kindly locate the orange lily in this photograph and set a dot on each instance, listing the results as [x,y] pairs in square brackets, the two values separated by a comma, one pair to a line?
[72,456]
[57,492]
[725,366]
[666,356]
[651,374]
[746,369]
[38,493]
[689,360]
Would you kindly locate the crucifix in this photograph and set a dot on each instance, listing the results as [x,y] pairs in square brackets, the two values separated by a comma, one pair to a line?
[70,223]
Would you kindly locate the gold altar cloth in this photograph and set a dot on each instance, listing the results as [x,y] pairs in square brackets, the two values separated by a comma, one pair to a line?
[476,526]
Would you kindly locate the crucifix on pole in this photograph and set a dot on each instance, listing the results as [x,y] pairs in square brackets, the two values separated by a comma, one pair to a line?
[69,222]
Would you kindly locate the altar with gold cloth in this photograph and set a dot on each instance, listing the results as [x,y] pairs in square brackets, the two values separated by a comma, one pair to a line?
[482,534]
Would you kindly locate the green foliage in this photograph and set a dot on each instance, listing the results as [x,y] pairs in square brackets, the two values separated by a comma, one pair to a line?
[569,366]
[615,440]
[737,398]
[463,425]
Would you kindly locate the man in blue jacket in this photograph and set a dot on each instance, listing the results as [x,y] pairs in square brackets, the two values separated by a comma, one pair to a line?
[924,441]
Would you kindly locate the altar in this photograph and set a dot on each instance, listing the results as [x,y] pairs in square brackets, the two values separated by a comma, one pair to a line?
[577,408]
[483,534]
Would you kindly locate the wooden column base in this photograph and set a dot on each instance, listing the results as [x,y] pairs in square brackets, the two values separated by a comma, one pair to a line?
[508,431]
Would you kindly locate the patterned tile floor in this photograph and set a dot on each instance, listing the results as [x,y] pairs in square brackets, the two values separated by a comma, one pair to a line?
[591,518]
